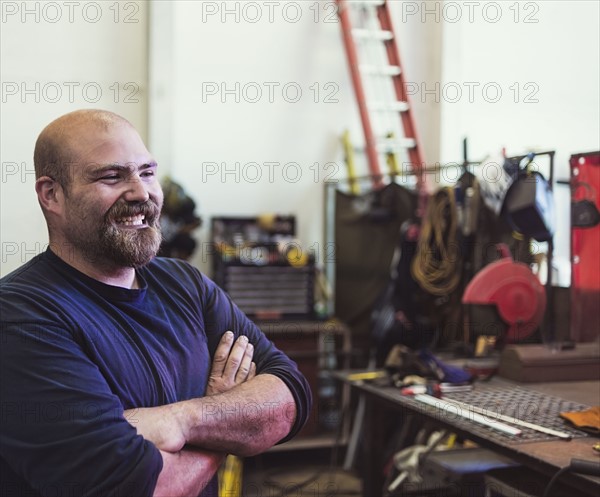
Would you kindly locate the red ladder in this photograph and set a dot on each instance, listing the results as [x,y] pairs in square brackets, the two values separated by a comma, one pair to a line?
[369,22]
[381,32]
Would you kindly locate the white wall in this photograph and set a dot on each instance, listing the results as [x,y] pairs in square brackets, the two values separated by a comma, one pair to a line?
[533,68]
[245,153]
[57,57]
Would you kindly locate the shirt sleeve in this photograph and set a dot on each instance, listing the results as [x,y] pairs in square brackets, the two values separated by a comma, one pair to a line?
[221,315]
[63,431]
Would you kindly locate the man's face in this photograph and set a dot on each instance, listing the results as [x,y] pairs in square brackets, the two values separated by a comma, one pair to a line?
[113,202]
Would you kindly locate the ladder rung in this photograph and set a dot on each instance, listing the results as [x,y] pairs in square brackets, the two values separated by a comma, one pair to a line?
[396,145]
[366,3]
[381,70]
[369,34]
[390,106]
[389,146]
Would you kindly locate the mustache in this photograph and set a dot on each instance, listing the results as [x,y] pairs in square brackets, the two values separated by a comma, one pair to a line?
[149,209]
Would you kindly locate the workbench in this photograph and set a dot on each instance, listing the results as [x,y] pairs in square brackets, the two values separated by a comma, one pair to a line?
[545,455]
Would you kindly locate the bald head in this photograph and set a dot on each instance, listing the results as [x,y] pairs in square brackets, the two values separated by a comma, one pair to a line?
[59,143]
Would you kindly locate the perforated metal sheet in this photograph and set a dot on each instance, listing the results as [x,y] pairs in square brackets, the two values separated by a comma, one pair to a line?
[524,405]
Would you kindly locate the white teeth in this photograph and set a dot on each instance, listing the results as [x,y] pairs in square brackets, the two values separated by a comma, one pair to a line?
[132,221]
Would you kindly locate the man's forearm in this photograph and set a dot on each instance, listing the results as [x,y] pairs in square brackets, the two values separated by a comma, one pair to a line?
[244,421]
[186,472]
[242,414]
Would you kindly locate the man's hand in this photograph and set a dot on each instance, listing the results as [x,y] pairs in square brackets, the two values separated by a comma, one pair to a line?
[232,364]
[159,425]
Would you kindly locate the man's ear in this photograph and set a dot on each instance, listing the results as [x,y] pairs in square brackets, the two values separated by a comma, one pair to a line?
[50,194]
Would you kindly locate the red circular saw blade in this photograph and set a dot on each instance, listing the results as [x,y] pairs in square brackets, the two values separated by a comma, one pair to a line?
[516,292]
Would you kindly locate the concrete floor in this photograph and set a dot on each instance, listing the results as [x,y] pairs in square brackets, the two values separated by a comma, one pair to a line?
[297,474]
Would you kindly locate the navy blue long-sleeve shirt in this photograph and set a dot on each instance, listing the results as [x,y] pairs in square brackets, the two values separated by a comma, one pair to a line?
[75,353]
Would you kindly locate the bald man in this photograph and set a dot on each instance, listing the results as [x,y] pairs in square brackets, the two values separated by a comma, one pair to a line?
[122,373]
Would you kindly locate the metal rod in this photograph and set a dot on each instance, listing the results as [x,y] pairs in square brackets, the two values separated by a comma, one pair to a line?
[471,416]
[509,419]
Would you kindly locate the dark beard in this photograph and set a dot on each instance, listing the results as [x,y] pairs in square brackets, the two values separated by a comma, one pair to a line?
[130,247]
[111,246]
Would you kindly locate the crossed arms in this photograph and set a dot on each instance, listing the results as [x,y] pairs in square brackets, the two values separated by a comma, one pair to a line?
[243,414]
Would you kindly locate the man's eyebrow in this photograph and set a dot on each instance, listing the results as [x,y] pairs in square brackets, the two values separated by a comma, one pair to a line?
[128,167]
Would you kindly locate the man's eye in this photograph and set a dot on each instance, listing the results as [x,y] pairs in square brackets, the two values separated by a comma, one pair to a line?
[110,177]
[148,174]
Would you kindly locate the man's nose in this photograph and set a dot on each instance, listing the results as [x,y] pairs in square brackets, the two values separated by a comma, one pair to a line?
[137,190]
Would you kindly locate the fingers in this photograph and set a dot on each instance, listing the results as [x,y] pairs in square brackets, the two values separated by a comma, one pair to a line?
[244,369]
[222,354]
[232,364]
[236,356]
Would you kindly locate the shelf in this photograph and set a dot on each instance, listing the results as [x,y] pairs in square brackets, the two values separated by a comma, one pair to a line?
[319,348]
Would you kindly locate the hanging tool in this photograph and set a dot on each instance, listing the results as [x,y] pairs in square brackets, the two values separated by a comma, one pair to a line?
[516,292]
[350,164]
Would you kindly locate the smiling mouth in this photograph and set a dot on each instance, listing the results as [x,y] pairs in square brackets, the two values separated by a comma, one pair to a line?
[138,221]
